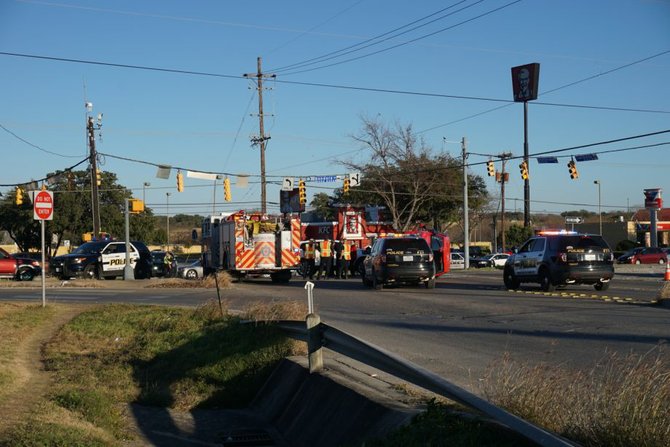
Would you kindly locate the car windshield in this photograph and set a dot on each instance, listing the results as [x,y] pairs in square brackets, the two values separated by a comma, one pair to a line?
[88,248]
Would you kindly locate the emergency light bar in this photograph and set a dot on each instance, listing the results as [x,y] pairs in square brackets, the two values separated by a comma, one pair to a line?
[555,232]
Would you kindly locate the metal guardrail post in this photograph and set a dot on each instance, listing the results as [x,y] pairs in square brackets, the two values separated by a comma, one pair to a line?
[314,345]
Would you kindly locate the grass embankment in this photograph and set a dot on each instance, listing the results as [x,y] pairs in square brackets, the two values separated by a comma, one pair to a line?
[168,357]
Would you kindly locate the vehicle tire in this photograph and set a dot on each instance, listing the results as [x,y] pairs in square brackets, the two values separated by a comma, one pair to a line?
[359,268]
[375,282]
[510,279]
[661,261]
[282,277]
[430,284]
[545,281]
[109,278]
[191,274]
[601,286]
[25,274]
[91,272]
[637,261]
[366,281]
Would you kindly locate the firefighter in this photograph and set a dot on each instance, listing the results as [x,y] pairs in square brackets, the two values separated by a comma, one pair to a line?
[343,262]
[308,260]
[326,263]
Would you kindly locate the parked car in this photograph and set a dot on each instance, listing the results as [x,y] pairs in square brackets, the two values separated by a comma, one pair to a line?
[159,268]
[457,261]
[19,268]
[649,255]
[495,260]
[627,257]
[191,271]
[102,259]
[399,260]
[559,258]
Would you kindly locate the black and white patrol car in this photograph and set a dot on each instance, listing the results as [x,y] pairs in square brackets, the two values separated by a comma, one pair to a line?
[558,258]
[102,259]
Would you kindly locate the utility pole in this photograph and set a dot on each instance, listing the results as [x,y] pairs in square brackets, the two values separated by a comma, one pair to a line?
[466,221]
[93,159]
[261,139]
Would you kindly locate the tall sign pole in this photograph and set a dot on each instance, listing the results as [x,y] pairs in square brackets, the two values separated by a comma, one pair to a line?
[466,221]
[525,85]
[653,202]
[43,207]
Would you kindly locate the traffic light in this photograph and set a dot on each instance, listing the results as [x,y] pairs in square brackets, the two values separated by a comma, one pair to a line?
[491,168]
[523,167]
[136,206]
[301,192]
[226,190]
[98,176]
[19,196]
[345,185]
[572,167]
[180,182]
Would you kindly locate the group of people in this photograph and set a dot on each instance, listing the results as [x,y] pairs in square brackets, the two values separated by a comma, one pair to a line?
[321,258]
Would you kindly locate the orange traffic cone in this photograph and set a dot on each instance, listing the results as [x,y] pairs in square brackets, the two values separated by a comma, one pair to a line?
[667,272]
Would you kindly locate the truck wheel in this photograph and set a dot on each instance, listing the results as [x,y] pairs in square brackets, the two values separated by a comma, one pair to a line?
[430,284]
[510,279]
[375,283]
[601,286]
[281,277]
[90,272]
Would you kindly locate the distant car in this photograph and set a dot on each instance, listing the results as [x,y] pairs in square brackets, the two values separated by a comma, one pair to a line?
[191,271]
[399,260]
[496,260]
[457,261]
[627,257]
[102,259]
[19,268]
[649,255]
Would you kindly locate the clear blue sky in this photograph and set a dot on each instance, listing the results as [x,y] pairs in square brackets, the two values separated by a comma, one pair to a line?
[204,123]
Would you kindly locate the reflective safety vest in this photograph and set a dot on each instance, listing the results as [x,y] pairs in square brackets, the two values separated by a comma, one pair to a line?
[325,249]
[309,251]
[346,252]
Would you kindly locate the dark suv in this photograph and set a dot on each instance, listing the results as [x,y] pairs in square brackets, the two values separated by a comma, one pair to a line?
[559,258]
[102,259]
[399,260]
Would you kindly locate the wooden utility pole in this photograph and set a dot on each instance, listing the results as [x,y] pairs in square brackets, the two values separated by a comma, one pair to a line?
[93,159]
[261,139]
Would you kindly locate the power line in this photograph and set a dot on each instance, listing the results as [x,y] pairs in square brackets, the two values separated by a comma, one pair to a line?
[36,146]
[362,45]
[316,84]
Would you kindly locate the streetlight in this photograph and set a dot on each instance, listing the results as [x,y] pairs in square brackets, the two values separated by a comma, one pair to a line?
[600,215]
[167,215]
[144,192]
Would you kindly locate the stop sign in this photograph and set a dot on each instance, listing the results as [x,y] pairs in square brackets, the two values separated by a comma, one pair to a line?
[43,205]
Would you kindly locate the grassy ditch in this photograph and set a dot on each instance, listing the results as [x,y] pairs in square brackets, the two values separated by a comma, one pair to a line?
[168,357]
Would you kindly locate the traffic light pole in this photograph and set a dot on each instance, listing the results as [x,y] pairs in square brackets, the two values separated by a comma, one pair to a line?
[526,182]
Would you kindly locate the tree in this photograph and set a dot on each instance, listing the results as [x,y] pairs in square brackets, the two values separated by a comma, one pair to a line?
[323,207]
[18,221]
[517,235]
[408,179]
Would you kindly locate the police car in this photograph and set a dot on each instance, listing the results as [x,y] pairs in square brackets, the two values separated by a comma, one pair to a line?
[102,259]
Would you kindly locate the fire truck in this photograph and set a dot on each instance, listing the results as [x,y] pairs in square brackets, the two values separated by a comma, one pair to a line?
[251,244]
[363,225]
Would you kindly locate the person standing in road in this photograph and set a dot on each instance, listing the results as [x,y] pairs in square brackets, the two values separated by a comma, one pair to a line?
[345,258]
[309,258]
[326,259]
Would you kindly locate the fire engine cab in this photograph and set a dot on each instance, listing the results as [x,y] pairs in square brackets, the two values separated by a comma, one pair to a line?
[251,244]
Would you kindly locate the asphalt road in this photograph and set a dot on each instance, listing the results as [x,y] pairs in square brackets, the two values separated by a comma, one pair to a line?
[457,330]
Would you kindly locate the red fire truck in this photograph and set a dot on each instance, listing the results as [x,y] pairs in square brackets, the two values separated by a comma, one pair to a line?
[251,244]
[363,225]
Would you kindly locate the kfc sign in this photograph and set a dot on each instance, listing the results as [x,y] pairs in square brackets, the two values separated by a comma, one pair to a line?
[525,82]
[652,198]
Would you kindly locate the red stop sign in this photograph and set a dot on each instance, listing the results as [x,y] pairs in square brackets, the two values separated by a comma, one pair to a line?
[43,205]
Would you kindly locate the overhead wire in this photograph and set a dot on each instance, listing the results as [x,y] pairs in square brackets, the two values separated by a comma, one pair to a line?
[36,146]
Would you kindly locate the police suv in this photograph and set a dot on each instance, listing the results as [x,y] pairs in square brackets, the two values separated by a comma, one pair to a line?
[558,258]
[102,259]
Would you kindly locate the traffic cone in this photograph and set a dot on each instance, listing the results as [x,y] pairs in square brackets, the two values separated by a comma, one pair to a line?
[667,272]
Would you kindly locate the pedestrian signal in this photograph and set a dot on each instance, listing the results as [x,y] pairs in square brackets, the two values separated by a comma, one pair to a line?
[226,190]
[491,168]
[180,182]
[572,168]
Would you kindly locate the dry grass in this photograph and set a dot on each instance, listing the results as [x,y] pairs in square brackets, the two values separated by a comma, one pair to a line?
[276,310]
[621,401]
[208,282]
[664,292]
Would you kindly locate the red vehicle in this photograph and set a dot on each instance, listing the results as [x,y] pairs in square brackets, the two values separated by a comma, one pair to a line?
[21,269]
[650,255]
[363,225]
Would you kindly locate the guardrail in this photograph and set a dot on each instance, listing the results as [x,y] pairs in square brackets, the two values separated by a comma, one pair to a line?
[319,335]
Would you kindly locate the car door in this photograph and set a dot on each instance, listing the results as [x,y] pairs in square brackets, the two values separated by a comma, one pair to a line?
[529,257]
[7,263]
[114,258]
[457,261]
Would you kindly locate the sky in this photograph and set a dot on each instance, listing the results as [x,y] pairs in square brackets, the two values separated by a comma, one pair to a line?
[168,78]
